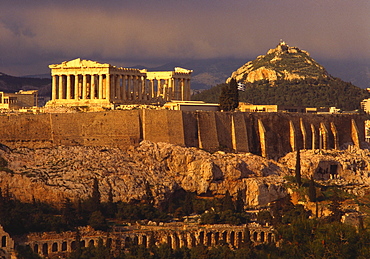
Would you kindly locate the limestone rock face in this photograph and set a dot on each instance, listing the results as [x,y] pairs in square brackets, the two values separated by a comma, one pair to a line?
[281,63]
[149,170]
[348,168]
[261,191]
[156,170]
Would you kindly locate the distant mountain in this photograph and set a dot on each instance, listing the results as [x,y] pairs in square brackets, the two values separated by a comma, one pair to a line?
[281,63]
[11,84]
[211,72]
[39,76]
[289,76]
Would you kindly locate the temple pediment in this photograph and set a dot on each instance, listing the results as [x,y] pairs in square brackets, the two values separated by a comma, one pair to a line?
[79,63]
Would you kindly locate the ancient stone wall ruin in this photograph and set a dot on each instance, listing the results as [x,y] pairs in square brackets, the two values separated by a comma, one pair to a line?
[267,134]
[175,235]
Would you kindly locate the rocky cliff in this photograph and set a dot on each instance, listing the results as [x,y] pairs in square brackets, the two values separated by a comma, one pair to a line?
[52,174]
[281,63]
[158,169]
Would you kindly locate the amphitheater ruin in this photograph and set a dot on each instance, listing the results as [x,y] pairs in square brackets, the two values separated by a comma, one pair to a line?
[176,235]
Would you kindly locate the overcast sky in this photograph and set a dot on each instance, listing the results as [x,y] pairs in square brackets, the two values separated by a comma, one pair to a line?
[35,33]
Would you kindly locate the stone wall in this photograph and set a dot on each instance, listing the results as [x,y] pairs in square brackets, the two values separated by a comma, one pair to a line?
[176,235]
[267,134]
[6,245]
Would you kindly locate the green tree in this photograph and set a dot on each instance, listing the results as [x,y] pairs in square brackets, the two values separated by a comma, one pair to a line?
[312,190]
[98,221]
[229,97]
[227,202]
[68,214]
[239,203]
[298,168]
[25,252]
[95,197]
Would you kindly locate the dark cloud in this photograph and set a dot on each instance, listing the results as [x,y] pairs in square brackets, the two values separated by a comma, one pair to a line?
[37,33]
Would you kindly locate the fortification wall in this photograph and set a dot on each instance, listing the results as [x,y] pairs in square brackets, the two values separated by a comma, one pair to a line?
[163,126]
[267,134]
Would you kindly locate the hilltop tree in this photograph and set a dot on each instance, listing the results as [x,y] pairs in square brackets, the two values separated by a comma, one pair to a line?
[229,97]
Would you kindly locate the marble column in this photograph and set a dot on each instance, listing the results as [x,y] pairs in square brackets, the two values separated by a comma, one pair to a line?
[60,87]
[84,86]
[182,87]
[77,90]
[175,89]
[135,92]
[54,88]
[124,92]
[117,87]
[170,88]
[107,87]
[100,90]
[151,87]
[93,87]
[140,88]
[68,95]
[159,88]
[129,86]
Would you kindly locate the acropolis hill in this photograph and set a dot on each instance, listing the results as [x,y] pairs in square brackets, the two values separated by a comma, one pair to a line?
[147,156]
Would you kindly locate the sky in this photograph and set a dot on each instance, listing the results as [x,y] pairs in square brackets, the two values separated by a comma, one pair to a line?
[36,33]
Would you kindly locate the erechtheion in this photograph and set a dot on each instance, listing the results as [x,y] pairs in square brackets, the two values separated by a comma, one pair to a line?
[89,83]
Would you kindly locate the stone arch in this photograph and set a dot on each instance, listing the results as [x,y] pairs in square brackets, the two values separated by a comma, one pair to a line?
[36,248]
[145,241]
[64,246]
[184,240]
[82,243]
[127,242]
[201,238]
[110,241]
[217,238]
[255,236]
[177,242]
[3,241]
[209,239]
[262,235]
[136,240]
[224,236]
[169,240]
[269,237]
[118,243]
[45,249]
[193,240]
[91,242]
[54,247]
[73,245]
[232,238]
[239,238]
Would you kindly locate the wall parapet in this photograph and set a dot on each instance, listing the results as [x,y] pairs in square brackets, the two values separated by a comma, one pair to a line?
[268,134]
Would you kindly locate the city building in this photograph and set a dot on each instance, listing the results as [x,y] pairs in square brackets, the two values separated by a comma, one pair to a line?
[365,105]
[192,106]
[18,100]
[247,107]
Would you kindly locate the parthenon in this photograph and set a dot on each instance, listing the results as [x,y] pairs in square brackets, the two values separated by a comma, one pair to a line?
[89,83]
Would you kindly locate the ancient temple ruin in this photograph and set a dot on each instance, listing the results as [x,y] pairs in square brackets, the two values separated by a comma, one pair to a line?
[88,83]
